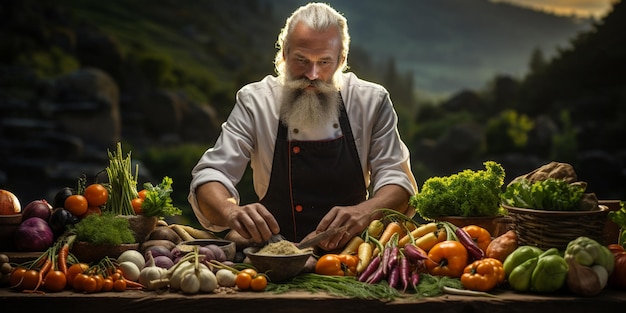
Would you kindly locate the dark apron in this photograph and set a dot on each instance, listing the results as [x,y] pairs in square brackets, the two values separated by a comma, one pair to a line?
[310,177]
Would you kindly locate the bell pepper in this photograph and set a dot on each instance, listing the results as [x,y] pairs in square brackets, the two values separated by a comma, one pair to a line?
[483,274]
[519,256]
[588,252]
[550,273]
[337,265]
[543,273]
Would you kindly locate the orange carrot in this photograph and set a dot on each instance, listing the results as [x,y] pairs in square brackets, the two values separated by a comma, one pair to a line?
[62,258]
[45,268]
[390,229]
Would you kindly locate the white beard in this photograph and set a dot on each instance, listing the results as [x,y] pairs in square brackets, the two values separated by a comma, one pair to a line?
[304,108]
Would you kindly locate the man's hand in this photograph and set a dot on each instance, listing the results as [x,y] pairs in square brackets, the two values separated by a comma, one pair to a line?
[253,221]
[355,217]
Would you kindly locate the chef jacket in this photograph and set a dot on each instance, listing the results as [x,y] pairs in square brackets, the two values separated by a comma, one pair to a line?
[249,135]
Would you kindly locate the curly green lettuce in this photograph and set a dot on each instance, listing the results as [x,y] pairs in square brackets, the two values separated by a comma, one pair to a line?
[158,201]
[468,193]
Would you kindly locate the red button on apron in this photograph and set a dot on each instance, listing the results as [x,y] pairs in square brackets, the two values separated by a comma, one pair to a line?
[299,208]
[296,149]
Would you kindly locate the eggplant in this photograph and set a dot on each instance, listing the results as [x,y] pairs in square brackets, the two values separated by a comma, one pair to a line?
[59,198]
[60,219]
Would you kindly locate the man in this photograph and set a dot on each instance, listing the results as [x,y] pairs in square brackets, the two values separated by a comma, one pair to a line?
[317,138]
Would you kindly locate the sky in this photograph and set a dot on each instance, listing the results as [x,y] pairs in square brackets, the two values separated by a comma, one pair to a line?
[583,8]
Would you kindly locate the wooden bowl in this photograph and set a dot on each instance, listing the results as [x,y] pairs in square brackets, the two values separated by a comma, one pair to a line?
[8,225]
[88,252]
[277,267]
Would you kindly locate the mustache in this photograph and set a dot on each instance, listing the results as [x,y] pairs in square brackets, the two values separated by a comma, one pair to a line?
[302,83]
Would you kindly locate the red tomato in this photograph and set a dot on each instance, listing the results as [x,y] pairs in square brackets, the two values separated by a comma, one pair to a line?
[618,276]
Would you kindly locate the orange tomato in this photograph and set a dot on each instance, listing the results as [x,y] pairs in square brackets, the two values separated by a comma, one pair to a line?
[30,279]
[79,280]
[250,271]
[96,194]
[258,283]
[76,204]
[55,281]
[73,270]
[136,203]
[119,285]
[90,284]
[92,210]
[243,280]
[107,284]
[16,277]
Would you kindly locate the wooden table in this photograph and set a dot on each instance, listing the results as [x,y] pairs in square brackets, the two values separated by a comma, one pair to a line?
[149,301]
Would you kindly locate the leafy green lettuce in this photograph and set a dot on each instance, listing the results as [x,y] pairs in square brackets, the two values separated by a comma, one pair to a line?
[550,194]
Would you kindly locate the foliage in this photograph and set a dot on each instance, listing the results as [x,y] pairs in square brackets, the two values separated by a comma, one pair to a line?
[508,131]
[467,193]
[158,202]
[104,229]
[549,194]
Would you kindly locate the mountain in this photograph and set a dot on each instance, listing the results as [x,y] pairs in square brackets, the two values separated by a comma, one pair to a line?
[450,45]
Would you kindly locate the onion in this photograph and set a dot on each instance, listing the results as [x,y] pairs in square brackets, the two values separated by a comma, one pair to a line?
[157,251]
[33,234]
[163,262]
[9,204]
[37,208]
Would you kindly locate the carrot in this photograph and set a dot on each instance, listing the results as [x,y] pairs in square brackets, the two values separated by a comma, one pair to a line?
[62,258]
[45,268]
[364,252]
[417,233]
[353,245]
[429,240]
[390,229]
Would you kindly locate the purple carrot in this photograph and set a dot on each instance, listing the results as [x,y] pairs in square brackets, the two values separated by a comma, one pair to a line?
[385,260]
[370,269]
[393,258]
[394,276]
[414,253]
[404,273]
[376,277]
[472,248]
[415,279]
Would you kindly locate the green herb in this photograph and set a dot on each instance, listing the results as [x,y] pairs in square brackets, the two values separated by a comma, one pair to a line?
[104,229]
[158,201]
[467,193]
[549,194]
[432,286]
[122,183]
[343,286]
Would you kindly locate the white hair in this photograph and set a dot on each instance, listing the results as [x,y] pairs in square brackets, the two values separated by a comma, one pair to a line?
[320,17]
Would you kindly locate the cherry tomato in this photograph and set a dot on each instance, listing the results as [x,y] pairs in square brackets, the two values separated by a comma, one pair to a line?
[92,210]
[90,284]
[243,280]
[79,280]
[76,204]
[250,271]
[107,284]
[258,283]
[55,281]
[15,279]
[96,194]
[119,285]
[136,203]
[30,279]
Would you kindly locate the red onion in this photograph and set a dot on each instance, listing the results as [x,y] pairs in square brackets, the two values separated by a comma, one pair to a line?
[37,208]
[33,234]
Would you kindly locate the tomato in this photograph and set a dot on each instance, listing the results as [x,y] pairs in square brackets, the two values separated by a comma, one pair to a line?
[30,279]
[76,204]
[79,280]
[99,281]
[17,274]
[119,285]
[447,258]
[617,278]
[142,194]
[243,280]
[55,281]
[136,203]
[258,283]
[250,271]
[96,194]
[107,284]
[90,284]
[73,270]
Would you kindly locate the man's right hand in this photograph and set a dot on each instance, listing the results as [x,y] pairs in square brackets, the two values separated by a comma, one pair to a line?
[253,221]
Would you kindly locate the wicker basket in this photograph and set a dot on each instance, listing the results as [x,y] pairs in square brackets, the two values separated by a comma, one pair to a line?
[555,229]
